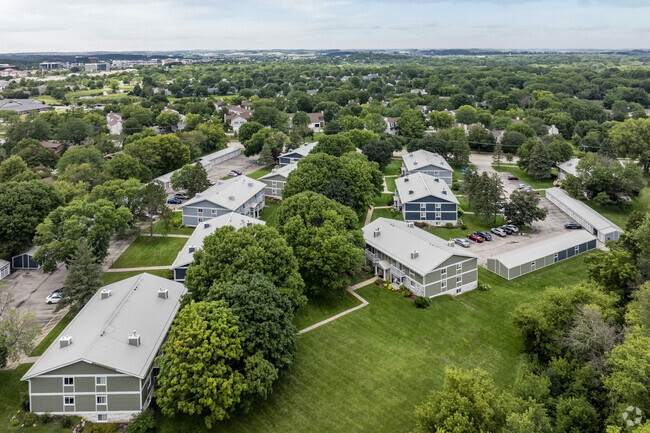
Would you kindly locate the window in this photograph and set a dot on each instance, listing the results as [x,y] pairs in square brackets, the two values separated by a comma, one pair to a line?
[102,417]
[423,215]
[214,211]
[68,401]
[458,291]
[459,266]
[443,272]
[437,206]
[438,215]
[200,210]
[101,399]
[68,380]
[555,257]
[443,285]
[577,249]
[423,206]
[100,380]
[274,183]
[459,279]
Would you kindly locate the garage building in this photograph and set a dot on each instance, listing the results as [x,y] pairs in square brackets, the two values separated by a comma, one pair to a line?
[592,221]
[5,268]
[25,260]
[537,255]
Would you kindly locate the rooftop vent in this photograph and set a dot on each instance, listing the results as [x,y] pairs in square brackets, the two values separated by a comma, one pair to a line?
[206,225]
[198,194]
[376,233]
[410,191]
[232,197]
[220,182]
[410,224]
[414,254]
[415,163]
[411,154]
[163,293]
[406,179]
[192,248]
[134,339]
[437,179]
[105,294]
[65,340]
[250,184]
[444,191]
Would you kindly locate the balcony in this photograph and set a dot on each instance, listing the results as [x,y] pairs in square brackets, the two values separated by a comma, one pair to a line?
[372,257]
[397,272]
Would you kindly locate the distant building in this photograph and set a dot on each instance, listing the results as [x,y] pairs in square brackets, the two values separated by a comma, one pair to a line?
[295,154]
[96,67]
[567,167]
[5,268]
[114,123]
[236,117]
[316,121]
[423,161]
[23,106]
[54,145]
[392,128]
[276,180]
[45,66]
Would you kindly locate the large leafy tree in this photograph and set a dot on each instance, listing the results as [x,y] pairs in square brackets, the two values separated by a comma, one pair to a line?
[411,124]
[161,154]
[74,130]
[59,234]
[257,249]
[335,145]
[191,177]
[248,129]
[484,194]
[199,363]
[350,179]
[127,193]
[15,169]
[632,139]
[379,151]
[325,239]
[23,206]
[523,208]
[154,202]
[17,329]
[81,155]
[34,154]
[83,280]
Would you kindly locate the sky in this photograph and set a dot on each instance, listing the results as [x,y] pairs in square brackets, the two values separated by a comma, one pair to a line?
[130,25]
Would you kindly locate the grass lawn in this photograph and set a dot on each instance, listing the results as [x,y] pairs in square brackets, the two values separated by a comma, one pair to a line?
[382,200]
[158,227]
[47,99]
[114,277]
[620,214]
[390,183]
[145,251]
[365,371]
[525,177]
[49,338]
[395,167]
[259,173]
[321,307]
[384,213]
[473,223]
[457,175]
[270,211]
[463,203]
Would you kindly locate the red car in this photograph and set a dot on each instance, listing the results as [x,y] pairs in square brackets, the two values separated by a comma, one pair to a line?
[476,238]
[532,191]
[512,177]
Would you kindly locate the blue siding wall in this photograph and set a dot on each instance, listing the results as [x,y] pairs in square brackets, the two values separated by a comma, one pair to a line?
[23,261]
[179,274]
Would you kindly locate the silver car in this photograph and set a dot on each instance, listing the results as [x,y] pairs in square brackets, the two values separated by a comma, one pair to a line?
[513,228]
[462,242]
[499,232]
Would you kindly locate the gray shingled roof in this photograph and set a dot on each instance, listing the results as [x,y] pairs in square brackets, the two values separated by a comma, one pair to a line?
[398,239]
[240,189]
[424,158]
[536,250]
[418,185]
[22,104]
[101,329]
[206,228]
[303,150]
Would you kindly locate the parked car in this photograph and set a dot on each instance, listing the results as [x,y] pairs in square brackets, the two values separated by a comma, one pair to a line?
[462,242]
[475,238]
[485,235]
[571,225]
[211,182]
[55,297]
[513,227]
[499,232]
[507,229]
[522,186]
[153,217]
[181,195]
[234,173]
[512,177]
[532,191]
[174,201]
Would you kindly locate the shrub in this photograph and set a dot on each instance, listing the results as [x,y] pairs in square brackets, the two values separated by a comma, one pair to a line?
[14,421]
[391,201]
[460,223]
[102,428]
[484,287]
[406,293]
[177,222]
[30,418]
[45,418]
[461,212]
[143,422]
[379,282]
[449,226]
[24,400]
[67,421]
[422,302]
[603,199]
[455,185]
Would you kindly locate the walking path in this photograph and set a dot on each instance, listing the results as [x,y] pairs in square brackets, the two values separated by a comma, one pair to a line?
[159,235]
[143,268]
[352,290]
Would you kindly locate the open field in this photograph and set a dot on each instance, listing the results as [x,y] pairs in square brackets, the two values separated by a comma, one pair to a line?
[384,213]
[145,251]
[367,370]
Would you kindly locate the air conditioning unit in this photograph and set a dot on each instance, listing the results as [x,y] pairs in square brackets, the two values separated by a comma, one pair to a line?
[134,339]
[191,249]
[376,233]
[410,224]
[105,294]
[65,341]
[414,254]
[163,293]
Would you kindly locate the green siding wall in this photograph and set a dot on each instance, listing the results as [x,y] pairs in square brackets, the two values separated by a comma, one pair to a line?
[84,403]
[125,383]
[47,384]
[47,403]
[82,368]
[84,384]
[123,402]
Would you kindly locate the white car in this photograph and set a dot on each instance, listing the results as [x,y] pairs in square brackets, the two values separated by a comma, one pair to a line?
[55,297]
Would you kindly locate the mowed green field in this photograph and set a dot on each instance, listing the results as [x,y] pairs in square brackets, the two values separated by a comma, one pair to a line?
[365,371]
[150,251]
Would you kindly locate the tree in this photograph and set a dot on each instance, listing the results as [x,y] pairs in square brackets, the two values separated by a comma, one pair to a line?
[127,193]
[123,166]
[335,145]
[59,234]
[215,137]
[523,208]
[433,144]
[24,205]
[632,139]
[540,163]
[324,236]
[460,152]
[441,119]
[379,151]
[17,330]
[257,248]
[34,154]
[478,137]
[604,175]
[248,129]
[161,154]
[411,124]
[168,120]
[15,169]
[198,365]
[466,115]
[154,202]
[81,155]
[74,130]
[484,193]
[83,280]
[300,119]
[560,151]
[191,177]
[512,140]
[576,415]
[498,155]
[275,139]
[351,179]
[615,271]
[360,138]
[35,127]
[375,122]
[468,402]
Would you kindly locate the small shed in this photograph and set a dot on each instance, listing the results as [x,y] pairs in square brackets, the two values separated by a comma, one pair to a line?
[537,255]
[25,260]
[5,268]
